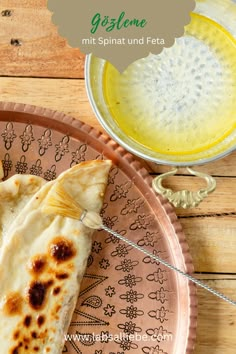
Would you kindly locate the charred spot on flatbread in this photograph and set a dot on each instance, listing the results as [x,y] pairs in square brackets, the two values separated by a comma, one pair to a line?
[36,294]
[34,335]
[56,290]
[61,249]
[62,276]
[15,350]
[41,320]
[13,304]
[27,321]
[16,335]
[37,264]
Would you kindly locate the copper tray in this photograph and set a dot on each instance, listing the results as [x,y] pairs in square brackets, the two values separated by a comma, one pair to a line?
[128,303]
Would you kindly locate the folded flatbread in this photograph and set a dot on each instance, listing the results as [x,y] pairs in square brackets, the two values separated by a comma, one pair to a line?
[42,264]
[15,193]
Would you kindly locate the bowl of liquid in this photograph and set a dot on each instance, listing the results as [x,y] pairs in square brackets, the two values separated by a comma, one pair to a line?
[179,107]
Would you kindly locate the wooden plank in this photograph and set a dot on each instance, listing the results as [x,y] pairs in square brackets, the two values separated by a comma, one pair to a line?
[24,4]
[212,243]
[216,320]
[222,201]
[223,167]
[31,24]
[68,96]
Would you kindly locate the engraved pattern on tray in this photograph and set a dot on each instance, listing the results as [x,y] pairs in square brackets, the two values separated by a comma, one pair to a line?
[128,303]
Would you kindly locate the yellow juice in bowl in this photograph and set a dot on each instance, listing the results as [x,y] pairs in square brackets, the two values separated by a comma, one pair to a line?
[183,101]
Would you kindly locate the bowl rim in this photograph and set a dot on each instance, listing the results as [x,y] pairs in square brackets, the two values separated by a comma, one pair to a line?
[129,148]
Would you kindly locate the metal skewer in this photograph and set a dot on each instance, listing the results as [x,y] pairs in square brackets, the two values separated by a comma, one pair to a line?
[61,203]
[168,265]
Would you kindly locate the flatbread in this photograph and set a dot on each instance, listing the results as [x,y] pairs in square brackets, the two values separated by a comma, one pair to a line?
[14,195]
[43,262]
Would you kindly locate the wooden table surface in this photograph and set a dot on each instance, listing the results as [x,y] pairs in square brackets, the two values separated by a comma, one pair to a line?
[38,67]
